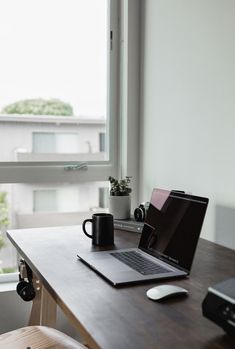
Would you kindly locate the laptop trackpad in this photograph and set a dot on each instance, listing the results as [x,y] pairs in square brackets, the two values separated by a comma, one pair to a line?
[104,262]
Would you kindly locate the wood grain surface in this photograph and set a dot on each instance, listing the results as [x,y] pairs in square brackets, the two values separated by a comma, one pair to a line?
[124,318]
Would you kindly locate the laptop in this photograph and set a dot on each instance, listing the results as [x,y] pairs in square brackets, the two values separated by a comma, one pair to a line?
[167,244]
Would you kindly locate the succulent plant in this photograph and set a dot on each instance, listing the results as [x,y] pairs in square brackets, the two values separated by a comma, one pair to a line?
[120,187]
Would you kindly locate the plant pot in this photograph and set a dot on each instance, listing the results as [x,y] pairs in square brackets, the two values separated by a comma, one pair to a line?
[120,206]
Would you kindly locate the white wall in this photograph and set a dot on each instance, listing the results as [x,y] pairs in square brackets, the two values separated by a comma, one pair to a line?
[188,105]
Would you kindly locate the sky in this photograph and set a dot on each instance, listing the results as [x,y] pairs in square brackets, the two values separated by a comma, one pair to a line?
[54,49]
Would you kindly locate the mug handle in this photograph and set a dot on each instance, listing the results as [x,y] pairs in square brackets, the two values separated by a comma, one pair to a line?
[84,229]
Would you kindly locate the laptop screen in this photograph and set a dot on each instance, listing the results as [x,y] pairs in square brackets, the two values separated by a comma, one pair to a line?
[172,227]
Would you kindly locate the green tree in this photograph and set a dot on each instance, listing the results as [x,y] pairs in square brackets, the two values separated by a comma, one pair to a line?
[39,106]
[4,220]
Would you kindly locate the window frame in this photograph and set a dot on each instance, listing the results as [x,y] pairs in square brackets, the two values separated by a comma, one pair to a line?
[57,171]
[123,141]
[69,171]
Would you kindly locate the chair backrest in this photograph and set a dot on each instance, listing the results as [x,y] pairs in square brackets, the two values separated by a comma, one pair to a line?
[39,337]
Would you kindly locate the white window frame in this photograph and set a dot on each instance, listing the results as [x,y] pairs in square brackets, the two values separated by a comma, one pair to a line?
[49,172]
[130,93]
[32,172]
[123,141]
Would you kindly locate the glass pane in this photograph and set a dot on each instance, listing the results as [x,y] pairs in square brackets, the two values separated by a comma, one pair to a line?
[44,200]
[53,86]
[41,205]
[103,197]
[102,141]
[44,142]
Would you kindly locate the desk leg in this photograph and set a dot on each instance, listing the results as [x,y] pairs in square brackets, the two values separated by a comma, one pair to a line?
[48,309]
[35,314]
[44,308]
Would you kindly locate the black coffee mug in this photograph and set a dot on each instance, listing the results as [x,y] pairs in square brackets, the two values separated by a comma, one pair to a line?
[102,229]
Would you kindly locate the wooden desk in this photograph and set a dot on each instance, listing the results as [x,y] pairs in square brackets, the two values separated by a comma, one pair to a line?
[123,318]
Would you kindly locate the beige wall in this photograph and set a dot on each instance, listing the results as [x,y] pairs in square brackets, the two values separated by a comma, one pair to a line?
[188,105]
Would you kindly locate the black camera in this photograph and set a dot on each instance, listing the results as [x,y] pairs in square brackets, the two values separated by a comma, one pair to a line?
[141,212]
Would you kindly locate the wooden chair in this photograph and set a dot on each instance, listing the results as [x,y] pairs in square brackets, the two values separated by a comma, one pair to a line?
[38,337]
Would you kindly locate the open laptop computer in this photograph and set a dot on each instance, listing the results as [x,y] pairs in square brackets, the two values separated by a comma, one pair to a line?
[167,244]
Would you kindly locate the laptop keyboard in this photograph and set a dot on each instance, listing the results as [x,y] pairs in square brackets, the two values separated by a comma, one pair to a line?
[139,263]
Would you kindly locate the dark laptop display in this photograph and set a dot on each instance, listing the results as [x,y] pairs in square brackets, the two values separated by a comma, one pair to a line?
[173,226]
[167,245]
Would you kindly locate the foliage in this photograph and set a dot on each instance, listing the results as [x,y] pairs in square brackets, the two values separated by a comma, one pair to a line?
[8,270]
[39,106]
[120,187]
[2,242]
[4,220]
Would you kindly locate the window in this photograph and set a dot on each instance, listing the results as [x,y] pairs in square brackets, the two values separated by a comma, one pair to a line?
[103,197]
[57,80]
[44,142]
[58,93]
[102,141]
[51,142]
[44,200]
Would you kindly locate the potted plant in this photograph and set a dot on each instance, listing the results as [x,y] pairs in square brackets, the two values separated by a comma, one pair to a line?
[120,199]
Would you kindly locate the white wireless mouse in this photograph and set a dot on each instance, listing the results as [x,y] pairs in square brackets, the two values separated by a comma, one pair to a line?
[165,291]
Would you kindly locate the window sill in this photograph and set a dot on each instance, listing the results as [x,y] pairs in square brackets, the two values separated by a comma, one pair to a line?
[9,278]
[8,286]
